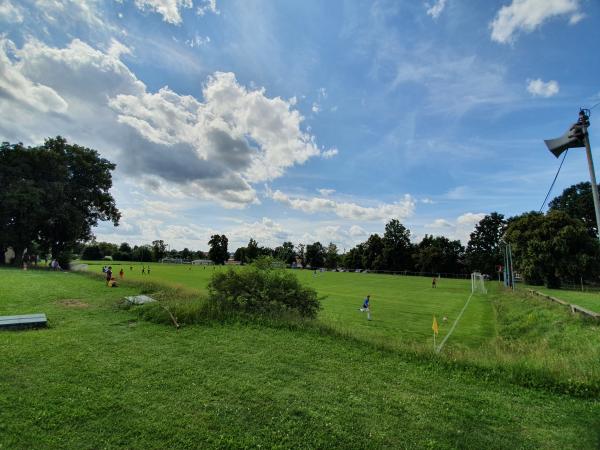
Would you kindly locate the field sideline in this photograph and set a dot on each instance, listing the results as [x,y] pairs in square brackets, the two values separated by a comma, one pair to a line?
[402,306]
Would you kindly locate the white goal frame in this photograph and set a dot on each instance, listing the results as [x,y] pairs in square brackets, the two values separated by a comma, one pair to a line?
[478,283]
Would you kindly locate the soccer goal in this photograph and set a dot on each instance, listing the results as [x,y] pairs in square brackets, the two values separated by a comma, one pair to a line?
[478,283]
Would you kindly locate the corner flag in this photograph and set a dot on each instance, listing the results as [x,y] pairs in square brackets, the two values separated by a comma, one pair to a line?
[435,327]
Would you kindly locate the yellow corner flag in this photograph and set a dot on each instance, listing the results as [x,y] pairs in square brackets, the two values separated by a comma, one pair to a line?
[435,327]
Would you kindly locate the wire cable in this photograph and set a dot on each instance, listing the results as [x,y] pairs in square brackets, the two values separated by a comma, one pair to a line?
[554,181]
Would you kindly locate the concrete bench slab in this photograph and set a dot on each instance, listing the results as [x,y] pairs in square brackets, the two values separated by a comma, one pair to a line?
[139,299]
[23,321]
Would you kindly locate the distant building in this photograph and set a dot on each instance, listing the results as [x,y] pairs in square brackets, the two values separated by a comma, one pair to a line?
[232,262]
[172,260]
[203,262]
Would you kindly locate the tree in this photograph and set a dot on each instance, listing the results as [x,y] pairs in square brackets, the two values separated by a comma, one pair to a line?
[397,248]
[285,252]
[252,250]
[91,253]
[159,249]
[315,255]
[483,250]
[302,254]
[439,255]
[331,256]
[52,195]
[373,253]
[240,255]
[552,248]
[186,254]
[142,253]
[218,249]
[577,201]
[353,259]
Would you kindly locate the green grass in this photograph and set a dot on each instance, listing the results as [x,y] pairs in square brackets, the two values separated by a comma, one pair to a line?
[100,378]
[550,347]
[402,307]
[589,300]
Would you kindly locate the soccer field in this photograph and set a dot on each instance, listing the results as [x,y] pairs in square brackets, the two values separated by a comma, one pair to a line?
[402,306]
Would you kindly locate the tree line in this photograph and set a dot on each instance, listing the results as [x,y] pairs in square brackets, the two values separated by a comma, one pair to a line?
[52,195]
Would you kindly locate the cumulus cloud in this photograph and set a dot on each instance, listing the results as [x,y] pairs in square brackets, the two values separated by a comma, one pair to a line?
[348,210]
[170,10]
[197,41]
[10,13]
[436,8]
[210,149]
[527,15]
[539,88]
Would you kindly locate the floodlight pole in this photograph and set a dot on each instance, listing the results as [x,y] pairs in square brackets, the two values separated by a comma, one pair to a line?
[588,152]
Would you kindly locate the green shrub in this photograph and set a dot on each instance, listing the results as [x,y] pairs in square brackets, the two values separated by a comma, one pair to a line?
[263,290]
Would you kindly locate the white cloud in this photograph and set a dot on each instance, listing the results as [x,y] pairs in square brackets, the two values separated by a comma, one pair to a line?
[169,9]
[540,88]
[316,108]
[436,9]
[197,41]
[527,15]
[459,228]
[176,144]
[328,154]
[208,6]
[10,13]
[61,12]
[439,223]
[427,201]
[22,90]
[348,210]
[357,231]
[326,192]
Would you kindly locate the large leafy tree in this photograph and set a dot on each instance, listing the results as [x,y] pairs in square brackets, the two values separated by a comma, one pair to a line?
[353,259]
[397,248]
[483,250]
[373,257]
[577,201]
[315,255]
[552,248]
[218,248]
[285,252]
[52,195]
[331,256]
[439,255]
[159,249]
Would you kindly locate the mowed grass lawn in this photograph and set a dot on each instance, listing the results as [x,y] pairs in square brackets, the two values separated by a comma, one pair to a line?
[402,306]
[100,378]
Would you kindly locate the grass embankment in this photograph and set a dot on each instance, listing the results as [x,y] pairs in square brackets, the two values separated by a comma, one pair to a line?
[99,377]
[589,300]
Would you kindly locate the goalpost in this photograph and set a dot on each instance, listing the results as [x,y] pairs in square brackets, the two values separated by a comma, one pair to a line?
[478,283]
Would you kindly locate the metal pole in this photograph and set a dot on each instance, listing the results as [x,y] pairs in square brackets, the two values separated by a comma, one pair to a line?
[512,272]
[588,152]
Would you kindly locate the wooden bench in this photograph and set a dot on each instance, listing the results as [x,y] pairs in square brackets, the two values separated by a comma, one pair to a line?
[23,321]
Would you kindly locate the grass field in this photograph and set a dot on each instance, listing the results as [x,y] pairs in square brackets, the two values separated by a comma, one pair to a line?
[402,307]
[100,378]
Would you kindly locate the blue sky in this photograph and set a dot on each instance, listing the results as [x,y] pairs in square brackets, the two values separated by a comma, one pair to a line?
[305,120]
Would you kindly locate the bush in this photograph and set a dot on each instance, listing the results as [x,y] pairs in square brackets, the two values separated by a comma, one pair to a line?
[259,288]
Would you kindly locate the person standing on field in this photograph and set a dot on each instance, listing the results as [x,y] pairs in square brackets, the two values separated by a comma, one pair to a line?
[433,283]
[108,275]
[366,307]
[121,273]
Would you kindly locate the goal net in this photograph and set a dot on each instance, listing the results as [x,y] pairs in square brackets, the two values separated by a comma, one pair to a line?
[478,283]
